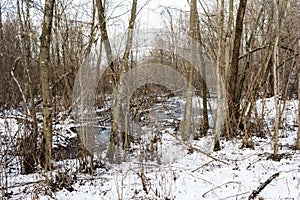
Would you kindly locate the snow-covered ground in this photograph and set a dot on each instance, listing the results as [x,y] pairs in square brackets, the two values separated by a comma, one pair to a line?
[173,170]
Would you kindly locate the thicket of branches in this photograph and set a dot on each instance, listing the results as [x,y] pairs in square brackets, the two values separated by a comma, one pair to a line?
[252,45]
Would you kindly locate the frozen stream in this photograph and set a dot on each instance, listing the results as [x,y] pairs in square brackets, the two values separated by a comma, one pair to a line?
[160,116]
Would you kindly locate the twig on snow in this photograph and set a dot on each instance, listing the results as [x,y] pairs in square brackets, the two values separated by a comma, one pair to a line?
[262,186]
[230,182]
[236,195]
[202,166]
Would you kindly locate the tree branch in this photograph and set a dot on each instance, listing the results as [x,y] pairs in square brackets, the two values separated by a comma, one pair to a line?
[262,186]
[252,51]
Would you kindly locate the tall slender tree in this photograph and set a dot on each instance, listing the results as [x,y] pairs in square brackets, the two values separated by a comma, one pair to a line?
[219,121]
[117,112]
[233,101]
[189,92]
[279,14]
[204,124]
[228,41]
[44,65]
[227,56]
[104,36]
[118,115]
[1,31]
[298,134]
[30,149]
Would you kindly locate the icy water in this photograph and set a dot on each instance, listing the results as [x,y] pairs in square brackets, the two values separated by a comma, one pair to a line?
[162,116]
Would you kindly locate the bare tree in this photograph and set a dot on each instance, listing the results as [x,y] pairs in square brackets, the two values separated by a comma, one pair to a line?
[228,41]
[277,109]
[108,51]
[44,64]
[279,14]
[227,57]
[117,113]
[249,98]
[189,92]
[30,146]
[104,36]
[92,30]
[1,31]
[219,121]
[298,134]
[125,65]
[233,101]
[204,126]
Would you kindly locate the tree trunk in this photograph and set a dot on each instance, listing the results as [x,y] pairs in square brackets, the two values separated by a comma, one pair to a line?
[279,14]
[92,31]
[233,101]
[298,135]
[104,37]
[250,97]
[276,99]
[219,121]
[1,33]
[108,51]
[227,57]
[44,64]
[228,41]
[30,149]
[189,93]
[204,126]
[124,69]
[118,114]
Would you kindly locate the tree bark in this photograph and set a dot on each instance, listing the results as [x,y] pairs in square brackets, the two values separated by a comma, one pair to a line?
[250,97]
[118,114]
[219,121]
[1,32]
[279,13]
[228,41]
[227,57]
[108,52]
[124,69]
[189,93]
[44,64]
[92,31]
[233,101]
[276,99]
[30,151]
[104,36]
[298,134]
[204,126]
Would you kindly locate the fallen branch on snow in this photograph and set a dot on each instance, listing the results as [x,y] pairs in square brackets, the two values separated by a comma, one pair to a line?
[230,182]
[262,186]
[202,166]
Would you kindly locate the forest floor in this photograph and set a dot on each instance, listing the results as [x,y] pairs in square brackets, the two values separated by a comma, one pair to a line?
[165,169]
